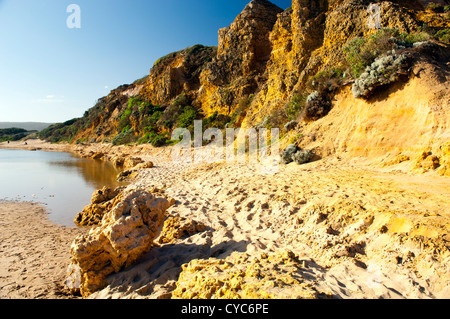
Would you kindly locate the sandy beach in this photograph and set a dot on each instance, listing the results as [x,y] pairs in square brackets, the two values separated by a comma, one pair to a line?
[359,230]
[34,253]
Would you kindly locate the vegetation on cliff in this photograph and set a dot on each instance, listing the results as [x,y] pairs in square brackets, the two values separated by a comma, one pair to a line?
[270,67]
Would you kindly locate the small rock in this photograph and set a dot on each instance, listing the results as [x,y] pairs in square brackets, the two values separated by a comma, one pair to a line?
[290,126]
[178,227]
[144,165]
[117,161]
[131,162]
[384,229]
[98,156]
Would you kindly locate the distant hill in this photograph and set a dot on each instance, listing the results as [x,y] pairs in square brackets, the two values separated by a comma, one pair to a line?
[29,126]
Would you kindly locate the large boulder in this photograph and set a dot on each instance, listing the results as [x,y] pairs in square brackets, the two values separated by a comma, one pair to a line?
[126,232]
[293,153]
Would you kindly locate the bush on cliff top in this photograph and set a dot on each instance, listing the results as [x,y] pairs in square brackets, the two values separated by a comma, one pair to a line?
[361,52]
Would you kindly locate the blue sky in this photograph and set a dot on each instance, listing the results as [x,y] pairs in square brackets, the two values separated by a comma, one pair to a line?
[51,73]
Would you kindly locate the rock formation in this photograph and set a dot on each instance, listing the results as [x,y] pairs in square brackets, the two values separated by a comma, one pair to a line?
[126,232]
[177,227]
[176,73]
[131,162]
[240,276]
[102,201]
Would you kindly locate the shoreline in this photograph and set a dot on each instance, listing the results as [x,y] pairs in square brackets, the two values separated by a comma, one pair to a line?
[36,145]
[367,232]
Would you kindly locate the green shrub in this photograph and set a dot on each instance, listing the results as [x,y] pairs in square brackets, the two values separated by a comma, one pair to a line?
[125,137]
[195,49]
[443,35]
[157,140]
[435,7]
[62,131]
[295,106]
[327,81]
[216,121]
[169,118]
[385,70]
[187,118]
[126,129]
[362,52]
[125,117]
[411,38]
[12,131]
[14,134]
[318,105]
[154,118]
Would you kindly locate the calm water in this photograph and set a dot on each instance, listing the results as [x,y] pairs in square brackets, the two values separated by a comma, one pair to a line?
[62,182]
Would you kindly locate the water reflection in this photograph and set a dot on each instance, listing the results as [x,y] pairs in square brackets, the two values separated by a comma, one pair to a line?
[95,172]
[60,181]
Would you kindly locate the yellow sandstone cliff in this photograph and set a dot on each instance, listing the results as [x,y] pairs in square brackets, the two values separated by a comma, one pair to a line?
[273,66]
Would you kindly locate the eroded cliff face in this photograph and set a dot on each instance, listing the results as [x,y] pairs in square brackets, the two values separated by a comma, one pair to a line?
[266,61]
[177,73]
[243,52]
[406,124]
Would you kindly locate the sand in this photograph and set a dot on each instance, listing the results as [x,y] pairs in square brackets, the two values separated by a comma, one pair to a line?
[364,231]
[34,253]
